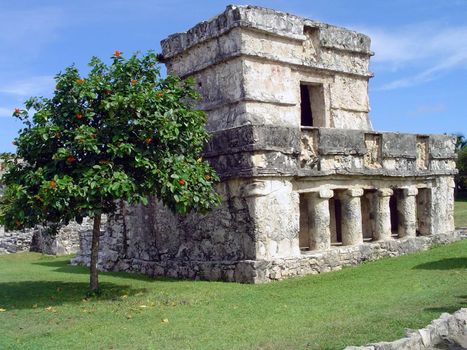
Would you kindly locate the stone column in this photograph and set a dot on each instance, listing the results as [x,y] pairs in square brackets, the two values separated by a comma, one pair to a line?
[352,217]
[319,219]
[407,209]
[383,215]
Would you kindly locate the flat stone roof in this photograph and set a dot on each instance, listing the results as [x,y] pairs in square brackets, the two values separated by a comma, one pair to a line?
[266,20]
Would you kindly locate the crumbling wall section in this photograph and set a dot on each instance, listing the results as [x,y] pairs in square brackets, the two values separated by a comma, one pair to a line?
[174,245]
[66,241]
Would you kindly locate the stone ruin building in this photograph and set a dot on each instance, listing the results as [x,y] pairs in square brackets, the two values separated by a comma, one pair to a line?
[308,185]
[65,242]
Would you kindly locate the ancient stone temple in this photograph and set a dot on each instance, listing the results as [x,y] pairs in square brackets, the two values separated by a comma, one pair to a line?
[308,185]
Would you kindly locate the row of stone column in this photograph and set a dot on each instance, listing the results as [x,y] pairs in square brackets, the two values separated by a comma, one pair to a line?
[319,224]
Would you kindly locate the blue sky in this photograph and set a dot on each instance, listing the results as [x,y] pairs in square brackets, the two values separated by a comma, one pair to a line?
[420,46]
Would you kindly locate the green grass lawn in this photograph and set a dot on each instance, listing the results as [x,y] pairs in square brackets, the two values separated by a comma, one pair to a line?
[460,212]
[43,306]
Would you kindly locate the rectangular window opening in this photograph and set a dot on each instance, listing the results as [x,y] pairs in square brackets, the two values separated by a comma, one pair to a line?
[305,106]
[312,105]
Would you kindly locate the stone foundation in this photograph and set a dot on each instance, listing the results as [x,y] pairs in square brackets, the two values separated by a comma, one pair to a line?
[260,271]
[338,257]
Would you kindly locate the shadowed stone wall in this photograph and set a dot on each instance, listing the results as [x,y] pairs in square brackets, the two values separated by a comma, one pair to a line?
[67,241]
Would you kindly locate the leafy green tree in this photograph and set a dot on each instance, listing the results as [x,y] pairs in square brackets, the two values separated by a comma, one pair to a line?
[461,163]
[121,133]
[461,178]
[461,141]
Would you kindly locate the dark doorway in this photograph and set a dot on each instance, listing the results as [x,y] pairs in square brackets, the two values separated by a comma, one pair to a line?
[394,215]
[368,203]
[335,209]
[303,236]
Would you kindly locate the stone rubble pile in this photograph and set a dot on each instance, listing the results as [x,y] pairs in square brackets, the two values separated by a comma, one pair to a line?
[446,332]
[15,241]
[66,242]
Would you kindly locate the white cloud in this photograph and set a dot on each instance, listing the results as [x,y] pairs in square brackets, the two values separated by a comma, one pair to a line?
[454,62]
[416,42]
[39,85]
[429,49]
[429,109]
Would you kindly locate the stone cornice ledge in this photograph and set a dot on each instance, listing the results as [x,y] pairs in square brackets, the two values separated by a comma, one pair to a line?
[267,20]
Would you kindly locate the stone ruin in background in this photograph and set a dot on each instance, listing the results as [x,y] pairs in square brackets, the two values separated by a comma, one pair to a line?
[36,240]
[308,185]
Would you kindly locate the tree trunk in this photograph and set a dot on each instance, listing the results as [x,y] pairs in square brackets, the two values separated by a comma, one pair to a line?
[96,230]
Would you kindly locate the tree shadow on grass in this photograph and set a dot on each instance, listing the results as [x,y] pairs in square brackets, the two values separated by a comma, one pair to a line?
[460,303]
[43,294]
[65,267]
[444,264]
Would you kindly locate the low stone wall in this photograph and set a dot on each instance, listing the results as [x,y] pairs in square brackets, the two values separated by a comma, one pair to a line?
[15,241]
[67,240]
[37,240]
[446,332]
[260,271]
[338,257]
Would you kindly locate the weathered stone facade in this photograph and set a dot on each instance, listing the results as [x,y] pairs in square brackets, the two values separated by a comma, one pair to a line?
[37,240]
[66,241]
[308,185]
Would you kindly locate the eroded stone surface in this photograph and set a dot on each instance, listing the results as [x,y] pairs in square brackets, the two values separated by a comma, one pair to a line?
[305,189]
[446,332]
[66,241]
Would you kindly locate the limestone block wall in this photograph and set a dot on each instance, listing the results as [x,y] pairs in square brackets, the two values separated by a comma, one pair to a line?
[13,242]
[177,245]
[66,242]
[249,64]
[332,150]
[274,208]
